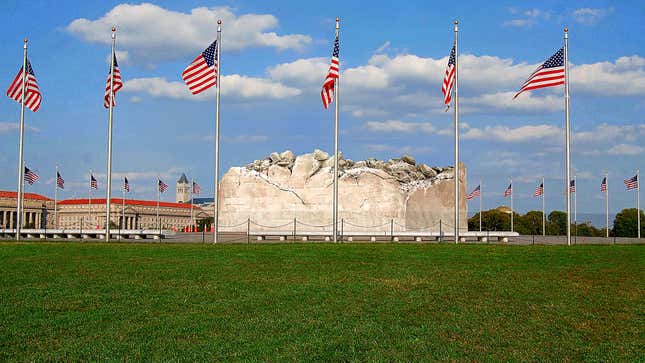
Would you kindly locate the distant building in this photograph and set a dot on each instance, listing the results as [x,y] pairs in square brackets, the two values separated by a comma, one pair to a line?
[38,210]
[81,213]
[183,190]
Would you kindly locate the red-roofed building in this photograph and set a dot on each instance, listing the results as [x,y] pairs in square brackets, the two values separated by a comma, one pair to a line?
[83,213]
[38,210]
[133,214]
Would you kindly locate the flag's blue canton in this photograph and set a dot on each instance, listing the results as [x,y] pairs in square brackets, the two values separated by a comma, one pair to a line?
[336,48]
[556,60]
[29,69]
[210,54]
[451,60]
[572,183]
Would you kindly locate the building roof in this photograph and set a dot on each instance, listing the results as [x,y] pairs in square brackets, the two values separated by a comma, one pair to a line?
[183,179]
[30,196]
[135,202]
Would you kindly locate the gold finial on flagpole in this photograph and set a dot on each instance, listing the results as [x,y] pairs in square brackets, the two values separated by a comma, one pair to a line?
[219,22]
[566,29]
[113,29]
[26,40]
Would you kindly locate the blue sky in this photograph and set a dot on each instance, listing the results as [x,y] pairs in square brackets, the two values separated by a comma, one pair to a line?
[275,55]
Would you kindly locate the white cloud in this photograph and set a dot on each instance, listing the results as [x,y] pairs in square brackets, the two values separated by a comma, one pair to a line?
[399,126]
[590,16]
[150,33]
[626,149]
[525,102]
[529,18]
[412,150]
[625,76]
[518,134]
[6,127]
[383,47]
[234,85]
[606,132]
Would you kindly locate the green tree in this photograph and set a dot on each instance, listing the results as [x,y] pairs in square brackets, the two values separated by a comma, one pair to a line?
[587,230]
[625,224]
[530,223]
[558,223]
[492,220]
[204,223]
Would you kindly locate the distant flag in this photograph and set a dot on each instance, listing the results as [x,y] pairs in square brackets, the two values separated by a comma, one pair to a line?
[32,96]
[196,188]
[603,185]
[162,186]
[30,176]
[549,74]
[327,93]
[509,191]
[60,182]
[631,183]
[118,84]
[126,185]
[539,191]
[202,73]
[449,79]
[477,192]
[93,183]
[572,186]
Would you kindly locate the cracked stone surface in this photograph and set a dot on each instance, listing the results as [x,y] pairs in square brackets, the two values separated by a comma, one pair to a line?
[274,190]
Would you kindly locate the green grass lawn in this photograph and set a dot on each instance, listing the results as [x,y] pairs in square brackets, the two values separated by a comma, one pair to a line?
[305,302]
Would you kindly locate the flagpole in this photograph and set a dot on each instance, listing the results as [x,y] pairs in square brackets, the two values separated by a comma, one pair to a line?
[192,184]
[89,199]
[55,200]
[21,170]
[480,205]
[638,202]
[158,197]
[122,225]
[567,136]
[336,108]
[543,210]
[456,169]
[607,203]
[512,204]
[575,205]
[108,203]
[217,122]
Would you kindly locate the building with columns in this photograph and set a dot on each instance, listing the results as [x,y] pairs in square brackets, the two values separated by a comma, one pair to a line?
[38,210]
[133,214]
[83,213]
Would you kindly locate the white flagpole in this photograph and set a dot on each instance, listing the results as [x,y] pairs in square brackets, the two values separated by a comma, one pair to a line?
[55,200]
[480,205]
[336,108]
[512,192]
[192,183]
[456,169]
[607,204]
[158,197]
[575,205]
[567,137]
[638,203]
[217,122]
[543,209]
[21,169]
[108,201]
[89,199]
[123,225]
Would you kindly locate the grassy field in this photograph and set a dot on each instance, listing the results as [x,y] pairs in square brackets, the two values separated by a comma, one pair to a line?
[321,302]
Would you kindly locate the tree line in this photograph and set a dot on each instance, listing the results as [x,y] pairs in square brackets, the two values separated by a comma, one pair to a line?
[625,223]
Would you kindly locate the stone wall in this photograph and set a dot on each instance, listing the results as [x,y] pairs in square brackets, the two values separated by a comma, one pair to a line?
[281,187]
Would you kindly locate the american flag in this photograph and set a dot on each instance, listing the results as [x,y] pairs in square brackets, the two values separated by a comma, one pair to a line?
[93,183]
[539,190]
[449,79]
[32,92]
[603,185]
[60,182]
[572,186]
[118,84]
[631,183]
[327,93]
[126,185]
[162,186]
[196,189]
[477,192]
[549,74]
[509,190]
[202,73]
[30,176]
